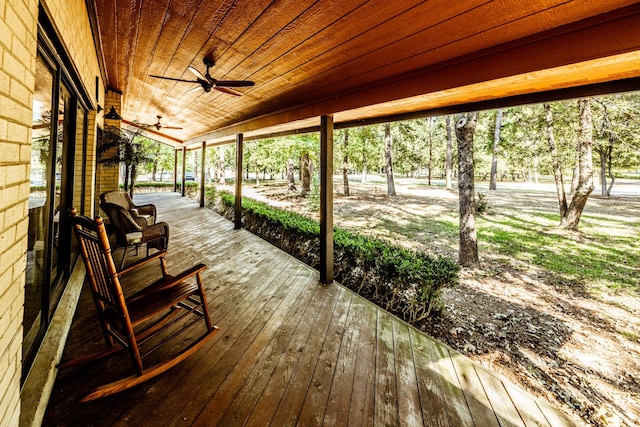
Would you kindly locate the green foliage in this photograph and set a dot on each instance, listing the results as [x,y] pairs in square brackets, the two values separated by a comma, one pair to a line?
[314,195]
[405,282]
[606,260]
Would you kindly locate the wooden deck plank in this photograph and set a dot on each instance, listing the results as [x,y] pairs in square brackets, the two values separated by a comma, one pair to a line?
[554,416]
[230,403]
[474,393]
[409,406]
[342,387]
[247,333]
[226,310]
[234,319]
[265,406]
[289,408]
[528,408]
[500,400]
[434,409]
[315,403]
[289,352]
[361,410]
[386,395]
[456,405]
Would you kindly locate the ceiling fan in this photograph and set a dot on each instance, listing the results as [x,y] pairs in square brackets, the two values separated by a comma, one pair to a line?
[207,82]
[157,124]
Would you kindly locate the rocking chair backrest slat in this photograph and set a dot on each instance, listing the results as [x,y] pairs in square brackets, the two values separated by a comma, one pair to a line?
[102,273]
[99,274]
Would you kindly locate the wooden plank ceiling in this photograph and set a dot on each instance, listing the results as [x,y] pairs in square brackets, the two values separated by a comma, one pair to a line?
[355,59]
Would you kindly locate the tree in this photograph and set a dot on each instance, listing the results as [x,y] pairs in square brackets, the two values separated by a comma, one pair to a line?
[496,148]
[345,162]
[448,162]
[364,148]
[616,135]
[291,180]
[121,146]
[584,186]
[465,129]
[388,155]
[430,162]
[556,162]
[305,168]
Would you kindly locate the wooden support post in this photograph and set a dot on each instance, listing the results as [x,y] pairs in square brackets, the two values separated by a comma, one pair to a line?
[184,165]
[202,179]
[175,171]
[326,200]
[238,206]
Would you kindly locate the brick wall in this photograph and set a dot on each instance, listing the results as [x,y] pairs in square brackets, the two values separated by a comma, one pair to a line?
[18,34]
[108,177]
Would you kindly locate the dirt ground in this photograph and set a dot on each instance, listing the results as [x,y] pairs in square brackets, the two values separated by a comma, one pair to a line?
[558,342]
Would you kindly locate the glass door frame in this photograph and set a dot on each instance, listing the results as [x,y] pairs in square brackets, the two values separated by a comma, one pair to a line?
[76,103]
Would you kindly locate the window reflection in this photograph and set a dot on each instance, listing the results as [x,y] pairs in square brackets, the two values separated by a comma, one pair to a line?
[39,203]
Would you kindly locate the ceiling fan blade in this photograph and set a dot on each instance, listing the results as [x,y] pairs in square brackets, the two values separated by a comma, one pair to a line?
[170,127]
[174,79]
[197,73]
[195,89]
[234,83]
[229,91]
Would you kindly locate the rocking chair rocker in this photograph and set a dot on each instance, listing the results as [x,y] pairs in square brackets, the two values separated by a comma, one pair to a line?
[129,322]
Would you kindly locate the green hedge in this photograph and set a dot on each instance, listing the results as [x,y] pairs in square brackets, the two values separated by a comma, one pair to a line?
[405,282]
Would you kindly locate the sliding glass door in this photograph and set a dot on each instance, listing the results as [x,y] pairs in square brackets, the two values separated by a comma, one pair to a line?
[58,132]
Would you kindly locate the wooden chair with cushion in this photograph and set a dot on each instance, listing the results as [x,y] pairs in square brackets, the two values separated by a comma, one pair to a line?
[138,212]
[166,312]
[133,233]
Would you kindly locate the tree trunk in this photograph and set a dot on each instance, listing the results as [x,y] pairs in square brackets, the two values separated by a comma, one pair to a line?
[447,167]
[613,178]
[256,172]
[133,178]
[555,159]
[388,168]
[126,177]
[345,163]
[306,174]
[221,170]
[603,170]
[364,164]
[291,180]
[465,129]
[496,148]
[585,169]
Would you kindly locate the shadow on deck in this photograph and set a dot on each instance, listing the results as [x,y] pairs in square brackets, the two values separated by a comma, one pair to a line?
[290,352]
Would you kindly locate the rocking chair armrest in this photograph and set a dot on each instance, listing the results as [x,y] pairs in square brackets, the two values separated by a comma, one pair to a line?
[142,262]
[167,282]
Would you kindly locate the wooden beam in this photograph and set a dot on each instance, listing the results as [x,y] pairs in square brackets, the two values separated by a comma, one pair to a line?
[204,150]
[326,199]
[184,165]
[238,205]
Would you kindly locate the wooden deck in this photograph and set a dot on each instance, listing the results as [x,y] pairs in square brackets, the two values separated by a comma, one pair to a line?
[290,352]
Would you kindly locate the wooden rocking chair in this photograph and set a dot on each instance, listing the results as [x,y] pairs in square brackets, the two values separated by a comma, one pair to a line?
[130,322]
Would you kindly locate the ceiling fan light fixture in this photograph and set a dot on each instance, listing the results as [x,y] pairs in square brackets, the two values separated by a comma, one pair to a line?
[113,114]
